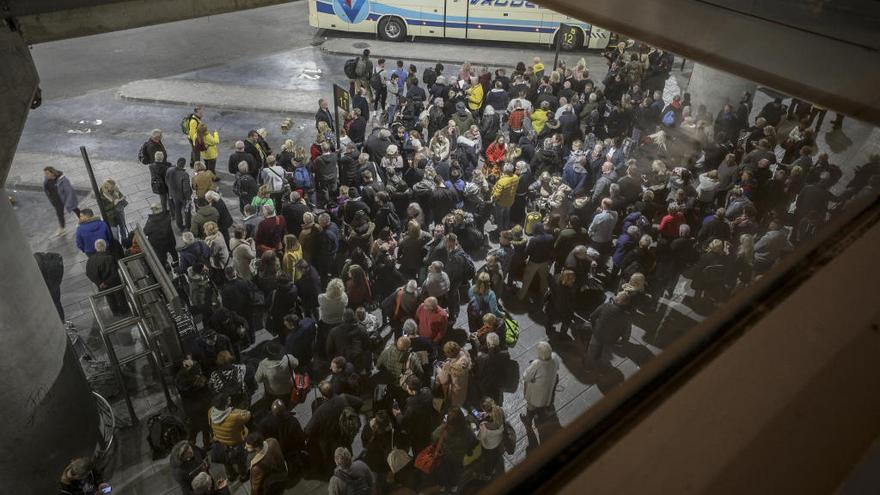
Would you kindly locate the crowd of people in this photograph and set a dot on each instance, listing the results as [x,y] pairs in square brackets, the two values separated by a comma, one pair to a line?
[382,266]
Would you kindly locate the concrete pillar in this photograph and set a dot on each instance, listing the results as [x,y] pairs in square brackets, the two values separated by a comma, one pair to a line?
[49,415]
[714,88]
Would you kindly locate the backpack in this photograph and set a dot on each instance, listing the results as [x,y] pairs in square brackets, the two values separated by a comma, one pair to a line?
[163,432]
[350,68]
[668,118]
[363,68]
[303,178]
[509,439]
[200,291]
[376,81]
[142,154]
[392,219]
[532,218]
[511,332]
[349,423]
[354,485]
[302,383]
[356,350]
[184,125]
[158,185]
[429,77]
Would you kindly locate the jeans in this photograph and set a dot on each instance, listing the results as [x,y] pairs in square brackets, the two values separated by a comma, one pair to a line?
[542,270]
[502,217]
[392,109]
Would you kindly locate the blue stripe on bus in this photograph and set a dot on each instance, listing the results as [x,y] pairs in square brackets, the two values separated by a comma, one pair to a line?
[415,17]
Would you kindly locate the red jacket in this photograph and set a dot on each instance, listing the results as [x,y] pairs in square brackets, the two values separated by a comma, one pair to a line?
[432,324]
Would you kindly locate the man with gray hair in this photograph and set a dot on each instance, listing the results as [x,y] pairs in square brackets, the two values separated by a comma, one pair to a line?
[103,271]
[350,476]
[204,484]
[539,385]
[240,155]
[151,146]
[245,186]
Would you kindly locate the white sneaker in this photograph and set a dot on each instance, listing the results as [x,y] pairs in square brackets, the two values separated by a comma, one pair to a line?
[60,232]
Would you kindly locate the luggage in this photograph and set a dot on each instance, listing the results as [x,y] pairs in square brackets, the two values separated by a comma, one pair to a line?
[163,432]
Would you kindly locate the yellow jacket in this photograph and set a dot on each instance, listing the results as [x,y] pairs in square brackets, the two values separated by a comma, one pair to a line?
[504,190]
[539,118]
[192,128]
[229,426]
[475,97]
[291,258]
[211,142]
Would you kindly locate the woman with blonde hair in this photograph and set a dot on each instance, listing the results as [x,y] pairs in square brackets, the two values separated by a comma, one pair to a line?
[206,143]
[491,437]
[293,252]
[114,205]
[331,307]
[263,197]
[286,157]
[219,251]
[744,263]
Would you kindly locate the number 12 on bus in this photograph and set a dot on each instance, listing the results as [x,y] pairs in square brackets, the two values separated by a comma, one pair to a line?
[496,20]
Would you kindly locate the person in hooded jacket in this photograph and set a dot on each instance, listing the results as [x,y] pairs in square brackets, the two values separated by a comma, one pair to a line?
[89,230]
[274,372]
[229,426]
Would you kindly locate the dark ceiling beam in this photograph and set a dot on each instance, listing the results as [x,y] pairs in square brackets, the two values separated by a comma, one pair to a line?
[834,73]
[51,21]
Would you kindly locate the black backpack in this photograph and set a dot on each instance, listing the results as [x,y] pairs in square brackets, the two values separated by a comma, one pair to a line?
[376,81]
[142,154]
[429,77]
[350,68]
[163,432]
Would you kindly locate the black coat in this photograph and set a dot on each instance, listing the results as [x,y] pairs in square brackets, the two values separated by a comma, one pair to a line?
[325,116]
[257,158]
[610,323]
[103,271]
[243,156]
[361,103]
[151,147]
[293,215]
[158,170]
[225,218]
[417,419]
[159,233]
[358,129]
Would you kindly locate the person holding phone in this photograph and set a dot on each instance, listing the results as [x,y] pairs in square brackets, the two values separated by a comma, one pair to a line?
[80,477]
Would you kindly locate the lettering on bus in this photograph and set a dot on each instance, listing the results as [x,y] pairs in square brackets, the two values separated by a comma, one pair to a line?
[506,3]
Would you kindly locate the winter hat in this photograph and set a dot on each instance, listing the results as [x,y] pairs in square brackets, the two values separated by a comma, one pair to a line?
[391,150]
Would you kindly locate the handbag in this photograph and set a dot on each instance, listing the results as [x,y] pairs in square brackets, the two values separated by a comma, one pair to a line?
[429,458]
[122,203]
[397,458]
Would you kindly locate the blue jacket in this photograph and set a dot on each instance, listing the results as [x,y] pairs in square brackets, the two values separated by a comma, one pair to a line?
[575,176]
[195,252]
[67,194]
[90,231]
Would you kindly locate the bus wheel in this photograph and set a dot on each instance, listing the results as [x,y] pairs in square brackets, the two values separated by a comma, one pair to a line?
[392,29]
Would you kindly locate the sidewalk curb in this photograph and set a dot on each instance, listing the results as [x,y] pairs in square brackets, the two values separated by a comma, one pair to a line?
[409,57]
[38,187]
[220,106]
[181,92]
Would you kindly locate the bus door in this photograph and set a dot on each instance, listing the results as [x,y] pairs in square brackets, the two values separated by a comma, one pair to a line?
[456,17]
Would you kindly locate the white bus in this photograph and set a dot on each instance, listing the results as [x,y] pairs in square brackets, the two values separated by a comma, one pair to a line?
[497,20]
